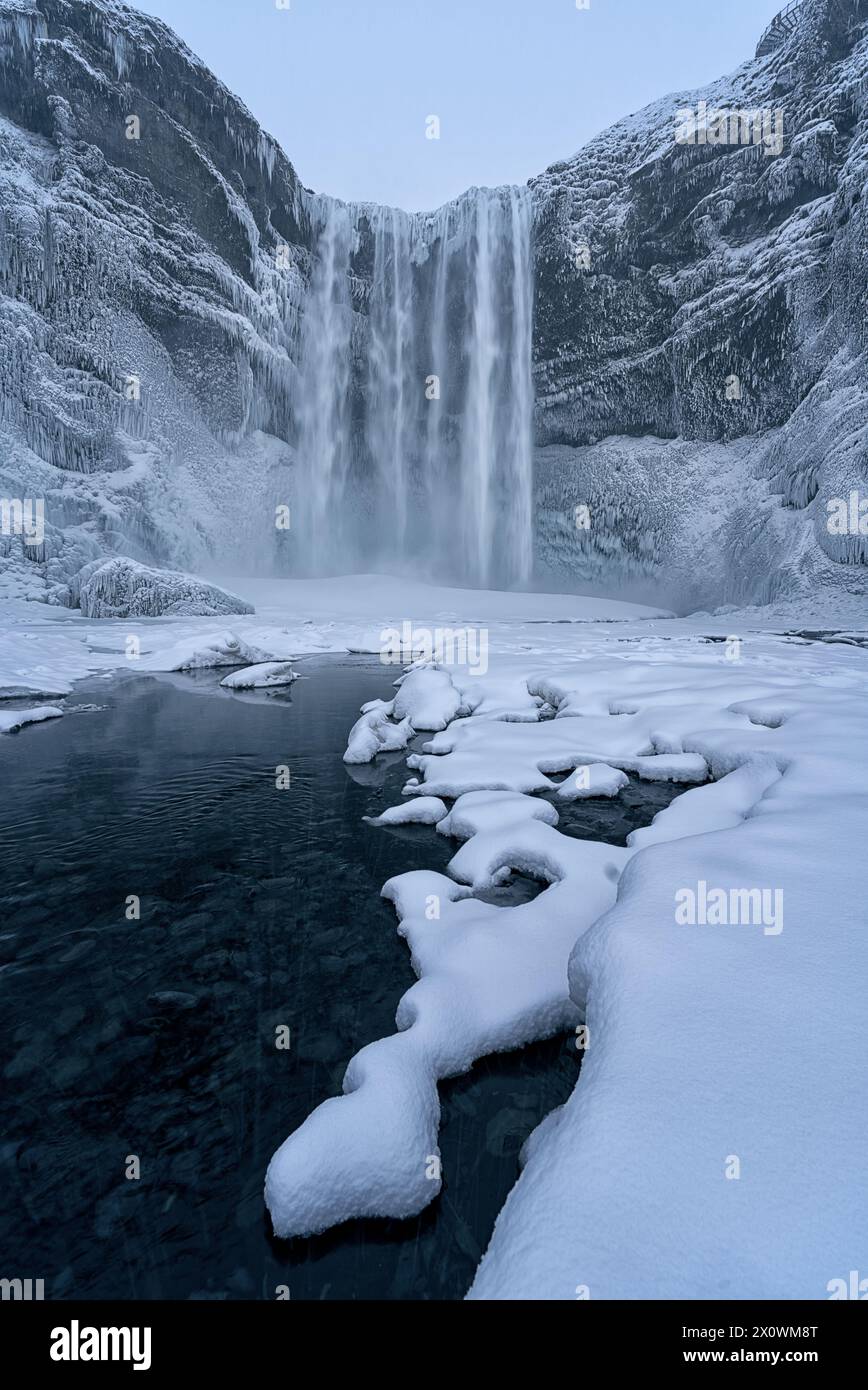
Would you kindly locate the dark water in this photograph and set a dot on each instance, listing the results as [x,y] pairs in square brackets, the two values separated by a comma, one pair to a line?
[155,1037]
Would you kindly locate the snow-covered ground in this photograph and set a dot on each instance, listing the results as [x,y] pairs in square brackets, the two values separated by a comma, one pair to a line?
[713,969]
[44,648]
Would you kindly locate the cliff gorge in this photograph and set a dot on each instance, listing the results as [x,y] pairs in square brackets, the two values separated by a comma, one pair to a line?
[648,369]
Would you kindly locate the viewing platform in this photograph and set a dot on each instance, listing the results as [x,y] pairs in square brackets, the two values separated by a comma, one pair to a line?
[780,29]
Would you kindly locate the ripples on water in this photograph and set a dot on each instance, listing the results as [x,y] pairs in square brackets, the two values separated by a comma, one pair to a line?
[156,1038]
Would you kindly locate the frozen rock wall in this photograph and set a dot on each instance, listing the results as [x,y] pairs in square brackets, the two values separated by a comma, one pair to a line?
[170,321]
[707,302]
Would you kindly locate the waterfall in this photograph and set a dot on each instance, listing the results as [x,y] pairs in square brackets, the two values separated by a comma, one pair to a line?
[518,473]
[323,406]
[415,411]
[438,373]
[391,383]
[484,354]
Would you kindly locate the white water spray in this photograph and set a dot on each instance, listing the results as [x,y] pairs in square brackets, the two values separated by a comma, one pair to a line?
[322,412]
[416,410]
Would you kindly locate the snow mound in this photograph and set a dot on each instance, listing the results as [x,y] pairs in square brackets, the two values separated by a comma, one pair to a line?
[122,588]
[427,698]
[264,674]
[376,733]
[196,653]
[717,806]
[425,810]
[592,779]
[492,812]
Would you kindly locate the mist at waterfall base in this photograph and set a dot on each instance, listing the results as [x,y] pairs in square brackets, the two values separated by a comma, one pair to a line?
[415,406]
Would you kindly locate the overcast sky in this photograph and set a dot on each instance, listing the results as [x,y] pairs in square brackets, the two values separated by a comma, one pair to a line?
[346,85]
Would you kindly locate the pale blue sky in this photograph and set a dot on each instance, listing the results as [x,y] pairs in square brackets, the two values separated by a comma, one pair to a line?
[346,85]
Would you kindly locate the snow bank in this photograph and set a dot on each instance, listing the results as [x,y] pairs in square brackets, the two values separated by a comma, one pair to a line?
[691,1070]
[489,981]
[122,588]
[42,660]
[426,699]
[689,1085]
[13,719]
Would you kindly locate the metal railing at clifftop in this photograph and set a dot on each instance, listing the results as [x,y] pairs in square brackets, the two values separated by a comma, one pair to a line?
[780,29]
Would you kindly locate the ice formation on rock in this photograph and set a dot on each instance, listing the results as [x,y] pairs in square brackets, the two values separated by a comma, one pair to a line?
[121,588]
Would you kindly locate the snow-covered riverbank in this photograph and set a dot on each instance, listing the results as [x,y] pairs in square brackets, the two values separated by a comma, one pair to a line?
[714,1144]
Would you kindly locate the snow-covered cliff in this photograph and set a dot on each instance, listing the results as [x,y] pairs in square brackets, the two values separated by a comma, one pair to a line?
[704,303]
[152,260]
[698,334]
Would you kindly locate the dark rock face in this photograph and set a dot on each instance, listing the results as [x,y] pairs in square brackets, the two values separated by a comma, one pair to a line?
[699,319]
